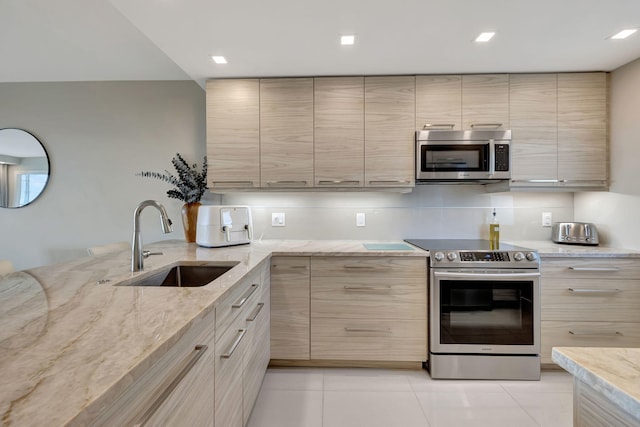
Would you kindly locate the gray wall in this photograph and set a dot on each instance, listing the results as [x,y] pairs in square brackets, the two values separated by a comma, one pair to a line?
[98,135]
[616,213]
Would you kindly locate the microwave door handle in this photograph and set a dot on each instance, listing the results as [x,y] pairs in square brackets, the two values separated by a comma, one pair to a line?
[492,158]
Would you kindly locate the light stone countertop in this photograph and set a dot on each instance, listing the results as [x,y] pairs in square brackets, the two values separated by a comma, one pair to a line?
[80,343]
[547,248]
[614,372]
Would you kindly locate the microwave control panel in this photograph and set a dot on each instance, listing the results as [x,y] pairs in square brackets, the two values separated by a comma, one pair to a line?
[502,157]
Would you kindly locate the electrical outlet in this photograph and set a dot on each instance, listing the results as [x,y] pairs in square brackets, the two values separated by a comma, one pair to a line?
[277,219]
[360,219]
[547,219]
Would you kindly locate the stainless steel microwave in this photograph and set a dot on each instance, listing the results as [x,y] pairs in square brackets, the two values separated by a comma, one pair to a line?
[470,155]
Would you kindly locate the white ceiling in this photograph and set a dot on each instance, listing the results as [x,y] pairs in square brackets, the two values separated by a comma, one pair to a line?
[74,40]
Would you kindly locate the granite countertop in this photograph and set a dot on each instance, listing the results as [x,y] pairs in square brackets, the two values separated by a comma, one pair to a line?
[547,248]
[614,372]
[70,339]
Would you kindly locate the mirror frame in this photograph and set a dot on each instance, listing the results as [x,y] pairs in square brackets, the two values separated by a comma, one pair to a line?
[46,155]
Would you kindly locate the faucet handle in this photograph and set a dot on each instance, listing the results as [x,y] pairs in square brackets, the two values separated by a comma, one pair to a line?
[147,254]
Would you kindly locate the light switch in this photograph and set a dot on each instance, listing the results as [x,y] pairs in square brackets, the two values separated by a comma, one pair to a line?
[277,219]
[360,219]
[547,219]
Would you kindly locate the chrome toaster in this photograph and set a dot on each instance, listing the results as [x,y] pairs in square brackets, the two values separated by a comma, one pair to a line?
[577,233]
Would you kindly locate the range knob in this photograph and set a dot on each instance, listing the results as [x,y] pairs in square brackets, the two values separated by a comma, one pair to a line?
[451,256]
[439,256]
[518,256]
[531,256]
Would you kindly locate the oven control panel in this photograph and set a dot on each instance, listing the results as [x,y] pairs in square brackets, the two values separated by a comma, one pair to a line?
[487,259]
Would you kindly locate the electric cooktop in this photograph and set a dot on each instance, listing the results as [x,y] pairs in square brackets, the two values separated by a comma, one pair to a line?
[460,245]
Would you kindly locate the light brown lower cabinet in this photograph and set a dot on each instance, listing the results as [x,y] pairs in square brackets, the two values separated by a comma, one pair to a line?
[178,389]
[589,302]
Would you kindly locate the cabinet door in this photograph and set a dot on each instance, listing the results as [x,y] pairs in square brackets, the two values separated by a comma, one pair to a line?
[339,131]
[286,132]
[439,102]
[582,127]
[290,306]
[485,101]
[533,117]
[233,133]
[389,118]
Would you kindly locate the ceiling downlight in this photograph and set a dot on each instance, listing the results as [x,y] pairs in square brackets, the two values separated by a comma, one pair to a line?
[624,34]
[485,37]
[347,40]
[219,59]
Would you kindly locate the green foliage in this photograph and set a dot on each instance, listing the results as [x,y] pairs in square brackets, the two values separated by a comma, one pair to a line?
[189,184]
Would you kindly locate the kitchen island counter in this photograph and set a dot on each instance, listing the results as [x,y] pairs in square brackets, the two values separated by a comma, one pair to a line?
[86,339]
[606,383]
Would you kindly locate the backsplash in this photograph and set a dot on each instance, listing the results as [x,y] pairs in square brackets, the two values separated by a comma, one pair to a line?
[438,211]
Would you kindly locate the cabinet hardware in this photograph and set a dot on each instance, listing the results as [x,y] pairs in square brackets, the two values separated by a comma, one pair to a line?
[438,125]
[596,333]
[198,352]
[297,267]
[361,267]
[594,291]
[292,183]
[594,268]
[367,288]
[338,182]
[385,331]
[390,182]
[486,125]
[232,183]
[245,297]
[255,313]
[234,345]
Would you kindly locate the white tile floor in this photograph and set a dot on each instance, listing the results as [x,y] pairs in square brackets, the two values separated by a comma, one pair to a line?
[306,397]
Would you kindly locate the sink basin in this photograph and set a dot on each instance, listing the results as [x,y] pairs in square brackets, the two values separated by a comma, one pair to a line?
[184,276]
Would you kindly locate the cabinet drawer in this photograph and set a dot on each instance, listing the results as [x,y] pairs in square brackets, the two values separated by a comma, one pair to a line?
[230,350]
[579,268]
[179,384]
[242,296]
[373,269]
[591,300]
[360,339]
[587,334]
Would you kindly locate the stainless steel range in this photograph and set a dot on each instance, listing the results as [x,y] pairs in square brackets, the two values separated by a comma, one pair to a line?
[484,310]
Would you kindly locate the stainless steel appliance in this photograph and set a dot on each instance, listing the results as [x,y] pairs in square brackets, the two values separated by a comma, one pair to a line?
[577,233]
[459,156]
[220,226]
[484,310]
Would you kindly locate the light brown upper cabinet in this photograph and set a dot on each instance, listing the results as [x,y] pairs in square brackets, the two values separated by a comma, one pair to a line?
[582,127]
[338,152]
[485,101]
[286,132]
[533,116]
[233,133]
[439,102]
[389,118]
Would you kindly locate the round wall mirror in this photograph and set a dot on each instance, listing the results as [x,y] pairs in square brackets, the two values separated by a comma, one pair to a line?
[24,168]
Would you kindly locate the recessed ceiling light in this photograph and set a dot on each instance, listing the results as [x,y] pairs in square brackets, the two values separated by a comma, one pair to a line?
[347,40]
[485,37]
[624,34]
[219,59]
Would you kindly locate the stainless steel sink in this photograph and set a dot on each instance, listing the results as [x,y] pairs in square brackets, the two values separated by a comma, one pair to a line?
[183,275]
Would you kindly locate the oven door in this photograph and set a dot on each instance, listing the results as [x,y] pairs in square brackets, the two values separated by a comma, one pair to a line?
[485,311]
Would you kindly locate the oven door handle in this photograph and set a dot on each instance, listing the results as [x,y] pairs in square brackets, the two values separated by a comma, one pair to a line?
[485,275]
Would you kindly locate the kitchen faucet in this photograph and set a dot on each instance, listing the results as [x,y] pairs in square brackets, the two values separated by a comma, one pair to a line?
[137,254]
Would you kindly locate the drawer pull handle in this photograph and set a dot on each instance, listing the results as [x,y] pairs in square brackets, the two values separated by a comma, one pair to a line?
[289,183]
[390,182]
[338,182]
[292,267]
[231,183]
[255,313]
[235,344]
[384,331]
[367,288]
[594,333]
[594,291]
[246,296]
[360,267]
[486,125]
[198,352]
[594,268]
[438,125]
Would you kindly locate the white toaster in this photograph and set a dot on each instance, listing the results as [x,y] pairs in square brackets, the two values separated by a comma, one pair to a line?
[223,226]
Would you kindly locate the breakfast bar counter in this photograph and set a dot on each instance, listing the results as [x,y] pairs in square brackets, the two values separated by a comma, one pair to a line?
[606,384]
